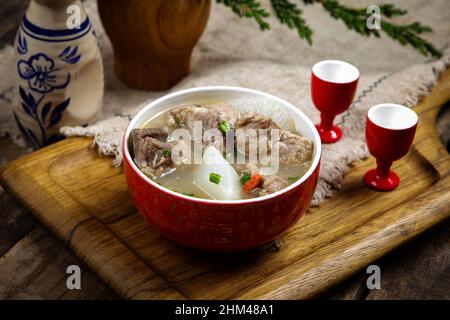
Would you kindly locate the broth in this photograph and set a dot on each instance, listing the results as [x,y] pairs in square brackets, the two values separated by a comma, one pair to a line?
[182,178]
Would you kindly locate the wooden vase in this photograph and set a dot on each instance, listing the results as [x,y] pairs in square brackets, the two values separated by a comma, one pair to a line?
[153,40]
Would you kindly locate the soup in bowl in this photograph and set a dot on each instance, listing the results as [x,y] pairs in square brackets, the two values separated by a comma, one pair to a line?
[221,168]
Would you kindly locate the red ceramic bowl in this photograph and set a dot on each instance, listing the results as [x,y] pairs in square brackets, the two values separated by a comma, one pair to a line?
[216,225]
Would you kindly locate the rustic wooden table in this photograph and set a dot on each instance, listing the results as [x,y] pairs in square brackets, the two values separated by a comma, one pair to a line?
[33,261]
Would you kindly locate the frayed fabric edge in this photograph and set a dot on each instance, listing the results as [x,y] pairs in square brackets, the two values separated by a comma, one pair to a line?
[107,141]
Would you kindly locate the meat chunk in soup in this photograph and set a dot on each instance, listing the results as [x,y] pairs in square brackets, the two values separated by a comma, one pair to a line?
[251,139]
[272,184]
[253,120]
[210,116]
[292,147]
[226,113]
[151,151]
[160,134]
[186,115]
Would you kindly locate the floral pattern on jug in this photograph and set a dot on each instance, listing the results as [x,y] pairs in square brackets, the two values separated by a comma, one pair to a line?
[60,74]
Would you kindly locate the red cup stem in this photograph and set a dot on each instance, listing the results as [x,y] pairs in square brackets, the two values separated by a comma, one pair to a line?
[383,169]
[327,131]
[382,178]
[326,122]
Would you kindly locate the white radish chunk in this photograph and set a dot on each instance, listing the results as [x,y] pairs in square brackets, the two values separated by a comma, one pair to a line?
[229,187]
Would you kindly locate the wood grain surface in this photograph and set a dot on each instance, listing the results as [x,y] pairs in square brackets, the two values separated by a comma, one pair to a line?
[38,259]
[85,202]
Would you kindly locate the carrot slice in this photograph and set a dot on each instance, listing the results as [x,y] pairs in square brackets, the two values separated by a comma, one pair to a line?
[253,183]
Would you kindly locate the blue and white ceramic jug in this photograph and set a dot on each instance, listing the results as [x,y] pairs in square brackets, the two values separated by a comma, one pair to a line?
[60,71]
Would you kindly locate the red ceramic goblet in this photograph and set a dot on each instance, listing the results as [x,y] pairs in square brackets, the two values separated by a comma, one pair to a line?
[390,132]
[333,87]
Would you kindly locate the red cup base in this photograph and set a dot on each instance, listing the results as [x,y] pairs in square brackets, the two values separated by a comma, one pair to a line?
[375,182]
[329,136]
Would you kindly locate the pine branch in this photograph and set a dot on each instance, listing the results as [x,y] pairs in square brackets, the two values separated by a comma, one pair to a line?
[249,9]
[290,15]
[355,19]
[389,10]
[409,34]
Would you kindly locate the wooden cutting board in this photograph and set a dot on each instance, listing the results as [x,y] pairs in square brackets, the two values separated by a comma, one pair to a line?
[82,199]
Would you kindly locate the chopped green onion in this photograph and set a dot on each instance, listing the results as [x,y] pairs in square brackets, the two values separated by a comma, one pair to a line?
[224,126]
[245,177]
[214,178]
[167,153]
[188,194]
[292,179]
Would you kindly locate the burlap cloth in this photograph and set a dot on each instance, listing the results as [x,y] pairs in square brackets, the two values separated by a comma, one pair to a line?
[233,51]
